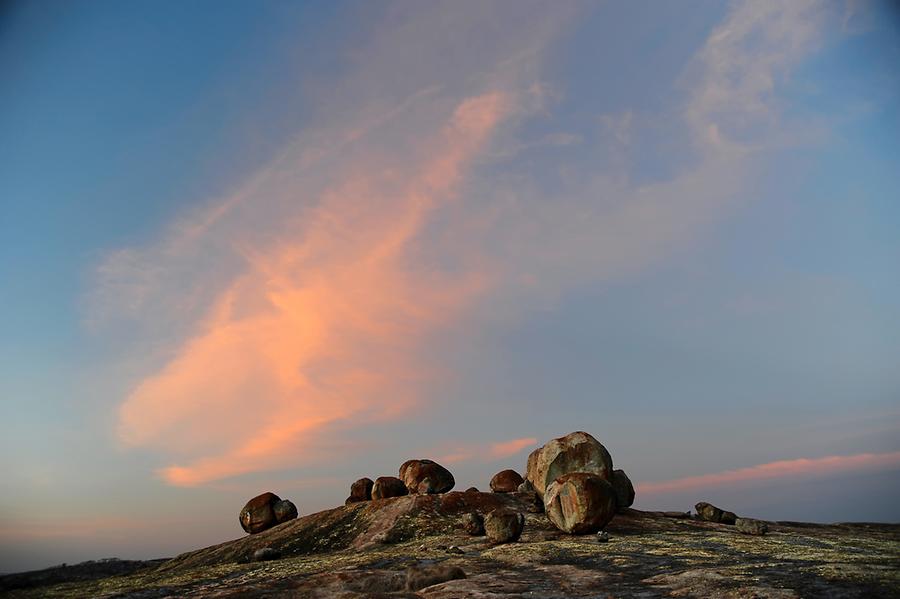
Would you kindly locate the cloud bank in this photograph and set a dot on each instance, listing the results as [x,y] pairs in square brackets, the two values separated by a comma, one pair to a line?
[305,299]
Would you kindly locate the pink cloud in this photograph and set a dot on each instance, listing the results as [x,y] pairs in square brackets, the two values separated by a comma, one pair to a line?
[512,447]
[776,470]
[490,451]
[319,324]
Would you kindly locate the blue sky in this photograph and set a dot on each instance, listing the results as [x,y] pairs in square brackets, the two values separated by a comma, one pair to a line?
[278,246]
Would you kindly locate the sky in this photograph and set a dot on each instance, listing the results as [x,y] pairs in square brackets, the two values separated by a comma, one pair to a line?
[278,246]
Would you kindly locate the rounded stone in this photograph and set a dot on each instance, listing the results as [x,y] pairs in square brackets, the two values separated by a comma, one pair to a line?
[473,524]
[284,510]
[361,490]
[580,503]
[506,481]
[426,477]
[504,526]
[623,488]
[258,514]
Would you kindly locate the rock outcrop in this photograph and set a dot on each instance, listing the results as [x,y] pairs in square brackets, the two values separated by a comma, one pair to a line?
[575,452]
[425,477]
[506,481]
[385,487]
[580,502]
[623,488]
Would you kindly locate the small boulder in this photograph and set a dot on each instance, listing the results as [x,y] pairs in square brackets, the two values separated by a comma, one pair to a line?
[284,510]
[265,554]
[361,490]
[526,487]
[473,524]
[506,481]
[426,477]
[749,526]
[575,452]
[258,513]
[504,526]
[388,486]
[472,490]
[603,537]
[419,577]
[580,503]
[623,488]
[710,513]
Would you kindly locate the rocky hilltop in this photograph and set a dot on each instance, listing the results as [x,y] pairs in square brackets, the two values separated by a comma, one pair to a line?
[564,531]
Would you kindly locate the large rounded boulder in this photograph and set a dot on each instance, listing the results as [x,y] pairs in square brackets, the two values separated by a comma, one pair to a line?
[623,488]
[425,477]
[361,490]
[259,513]
[580,502]
[388,486]
[576,452]
[506,481]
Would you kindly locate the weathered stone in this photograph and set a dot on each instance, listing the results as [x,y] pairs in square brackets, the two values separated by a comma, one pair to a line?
[526,487]
[710,513]
[258,513]
[388,486]
[575,452]
[361,490]
[506,481]
[580,502]
[419,577]
[623,488]
[504,526]
[749,526]
[603,537]
[473,524]
[265,554]
[284,510]
[426,477]
[472,490]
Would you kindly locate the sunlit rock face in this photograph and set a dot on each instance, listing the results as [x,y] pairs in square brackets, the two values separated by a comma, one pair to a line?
[575,452]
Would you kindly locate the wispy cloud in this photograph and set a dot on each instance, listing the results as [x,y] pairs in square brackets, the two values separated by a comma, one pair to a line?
[487,451]
[825,466]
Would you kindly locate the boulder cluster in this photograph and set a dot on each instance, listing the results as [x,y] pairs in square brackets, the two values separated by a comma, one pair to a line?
[570,478]
[574,477]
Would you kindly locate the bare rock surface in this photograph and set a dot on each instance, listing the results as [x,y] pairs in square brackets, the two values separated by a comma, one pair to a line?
[367,550]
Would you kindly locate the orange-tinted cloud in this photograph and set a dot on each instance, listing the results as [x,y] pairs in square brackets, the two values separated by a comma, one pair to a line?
[322,325]
[491,451]
[776,470]
[512,447]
